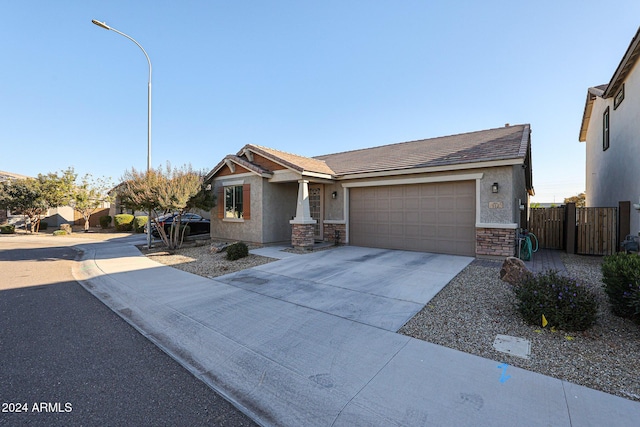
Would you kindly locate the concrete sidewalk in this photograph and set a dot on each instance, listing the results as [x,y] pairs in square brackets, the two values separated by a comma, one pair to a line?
[286,364]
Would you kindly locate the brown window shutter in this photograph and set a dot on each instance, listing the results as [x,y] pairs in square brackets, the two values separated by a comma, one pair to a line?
[246,201]
[220,202]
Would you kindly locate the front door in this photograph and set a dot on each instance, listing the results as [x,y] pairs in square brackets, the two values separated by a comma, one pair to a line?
[315,206]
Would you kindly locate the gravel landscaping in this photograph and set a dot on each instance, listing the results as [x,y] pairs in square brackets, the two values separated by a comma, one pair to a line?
[201,261]
[476,306]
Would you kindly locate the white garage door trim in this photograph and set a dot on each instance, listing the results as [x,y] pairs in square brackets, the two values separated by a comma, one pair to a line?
[419,180]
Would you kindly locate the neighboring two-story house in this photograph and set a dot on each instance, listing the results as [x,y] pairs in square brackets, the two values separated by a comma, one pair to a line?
[611,130]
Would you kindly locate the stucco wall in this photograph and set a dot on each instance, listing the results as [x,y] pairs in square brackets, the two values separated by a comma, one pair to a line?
[614,175]
[497,208]
[278,207]
[520,194]
[248,230]
[334,208]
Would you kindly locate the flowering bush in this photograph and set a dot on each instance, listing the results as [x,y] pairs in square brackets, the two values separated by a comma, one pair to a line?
[564,303]
[621,277]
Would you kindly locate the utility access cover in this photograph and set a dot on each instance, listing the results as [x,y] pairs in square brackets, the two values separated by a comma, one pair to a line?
[513,345]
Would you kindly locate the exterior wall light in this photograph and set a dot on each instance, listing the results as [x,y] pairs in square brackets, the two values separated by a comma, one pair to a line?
[495,187]
[334,195]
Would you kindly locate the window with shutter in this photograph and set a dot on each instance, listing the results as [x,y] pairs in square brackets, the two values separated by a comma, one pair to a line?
[235,202]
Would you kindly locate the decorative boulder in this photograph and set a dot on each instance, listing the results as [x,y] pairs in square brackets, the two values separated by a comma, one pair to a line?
[219,247]
[514,271]
[66,228]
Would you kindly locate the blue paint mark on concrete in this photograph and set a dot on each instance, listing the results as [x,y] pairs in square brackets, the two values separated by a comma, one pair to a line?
[504,377]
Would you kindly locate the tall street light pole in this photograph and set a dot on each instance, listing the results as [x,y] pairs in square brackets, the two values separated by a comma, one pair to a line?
[106,27]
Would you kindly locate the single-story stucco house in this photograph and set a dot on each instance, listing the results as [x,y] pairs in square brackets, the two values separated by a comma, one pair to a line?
[463,194]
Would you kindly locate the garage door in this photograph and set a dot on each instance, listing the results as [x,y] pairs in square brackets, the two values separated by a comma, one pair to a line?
[434,217]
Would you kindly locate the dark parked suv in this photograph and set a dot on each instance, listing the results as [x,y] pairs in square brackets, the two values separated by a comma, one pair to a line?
[196,223]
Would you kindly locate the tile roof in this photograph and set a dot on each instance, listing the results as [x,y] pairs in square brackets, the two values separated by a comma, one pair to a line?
[509,142]
[506,143]
[294,161]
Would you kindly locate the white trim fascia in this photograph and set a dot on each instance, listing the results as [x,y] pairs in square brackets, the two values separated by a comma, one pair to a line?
[446,168]
[285,175]
[420,180]
[478,207]
[346,214]
[231,183]
[318,175]
[334,221]
[510,226]
[240,175]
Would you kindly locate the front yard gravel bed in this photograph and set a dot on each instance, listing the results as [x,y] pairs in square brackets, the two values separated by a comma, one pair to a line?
[201,261]
[476,306]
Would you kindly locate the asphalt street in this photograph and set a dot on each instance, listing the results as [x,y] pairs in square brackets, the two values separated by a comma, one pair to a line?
[66,359]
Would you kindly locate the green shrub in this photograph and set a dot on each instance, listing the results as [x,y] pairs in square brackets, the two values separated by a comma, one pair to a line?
[139,223]
[7,229]
[105,221]
[59,233]
[621,277]
[237,251]
[66,228]
[564,303]
[44,225]
[123,222]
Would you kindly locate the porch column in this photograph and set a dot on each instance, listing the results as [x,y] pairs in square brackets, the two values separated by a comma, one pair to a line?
[302,225]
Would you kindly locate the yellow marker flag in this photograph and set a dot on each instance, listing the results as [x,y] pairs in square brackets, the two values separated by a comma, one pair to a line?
[544,321]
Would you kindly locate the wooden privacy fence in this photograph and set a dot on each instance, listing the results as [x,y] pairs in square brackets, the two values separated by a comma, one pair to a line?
[585,231]
[596,231]
[548,226]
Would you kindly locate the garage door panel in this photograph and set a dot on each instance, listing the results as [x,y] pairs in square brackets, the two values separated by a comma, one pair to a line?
[396,217]
[412,217]
[435,217]
[382,216]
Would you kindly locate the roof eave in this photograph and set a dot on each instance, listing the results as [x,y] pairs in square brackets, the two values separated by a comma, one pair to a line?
[586,114]
[628,61]
[430,169]
[245,165]
[285,163]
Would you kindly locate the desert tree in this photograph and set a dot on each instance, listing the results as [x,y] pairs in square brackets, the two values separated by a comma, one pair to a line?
[89,195]
[167,190]
[579,200]
[33,197]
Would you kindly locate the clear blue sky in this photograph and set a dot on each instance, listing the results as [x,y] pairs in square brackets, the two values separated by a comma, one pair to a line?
[306,77]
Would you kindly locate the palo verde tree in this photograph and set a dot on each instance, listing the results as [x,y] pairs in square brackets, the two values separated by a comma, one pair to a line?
[89,195]
[167,190]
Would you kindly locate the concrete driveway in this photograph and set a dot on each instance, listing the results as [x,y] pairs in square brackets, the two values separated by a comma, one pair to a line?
[289,364]
[377,287]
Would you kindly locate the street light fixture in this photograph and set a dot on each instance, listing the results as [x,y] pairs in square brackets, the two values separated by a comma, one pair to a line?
[106,27]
